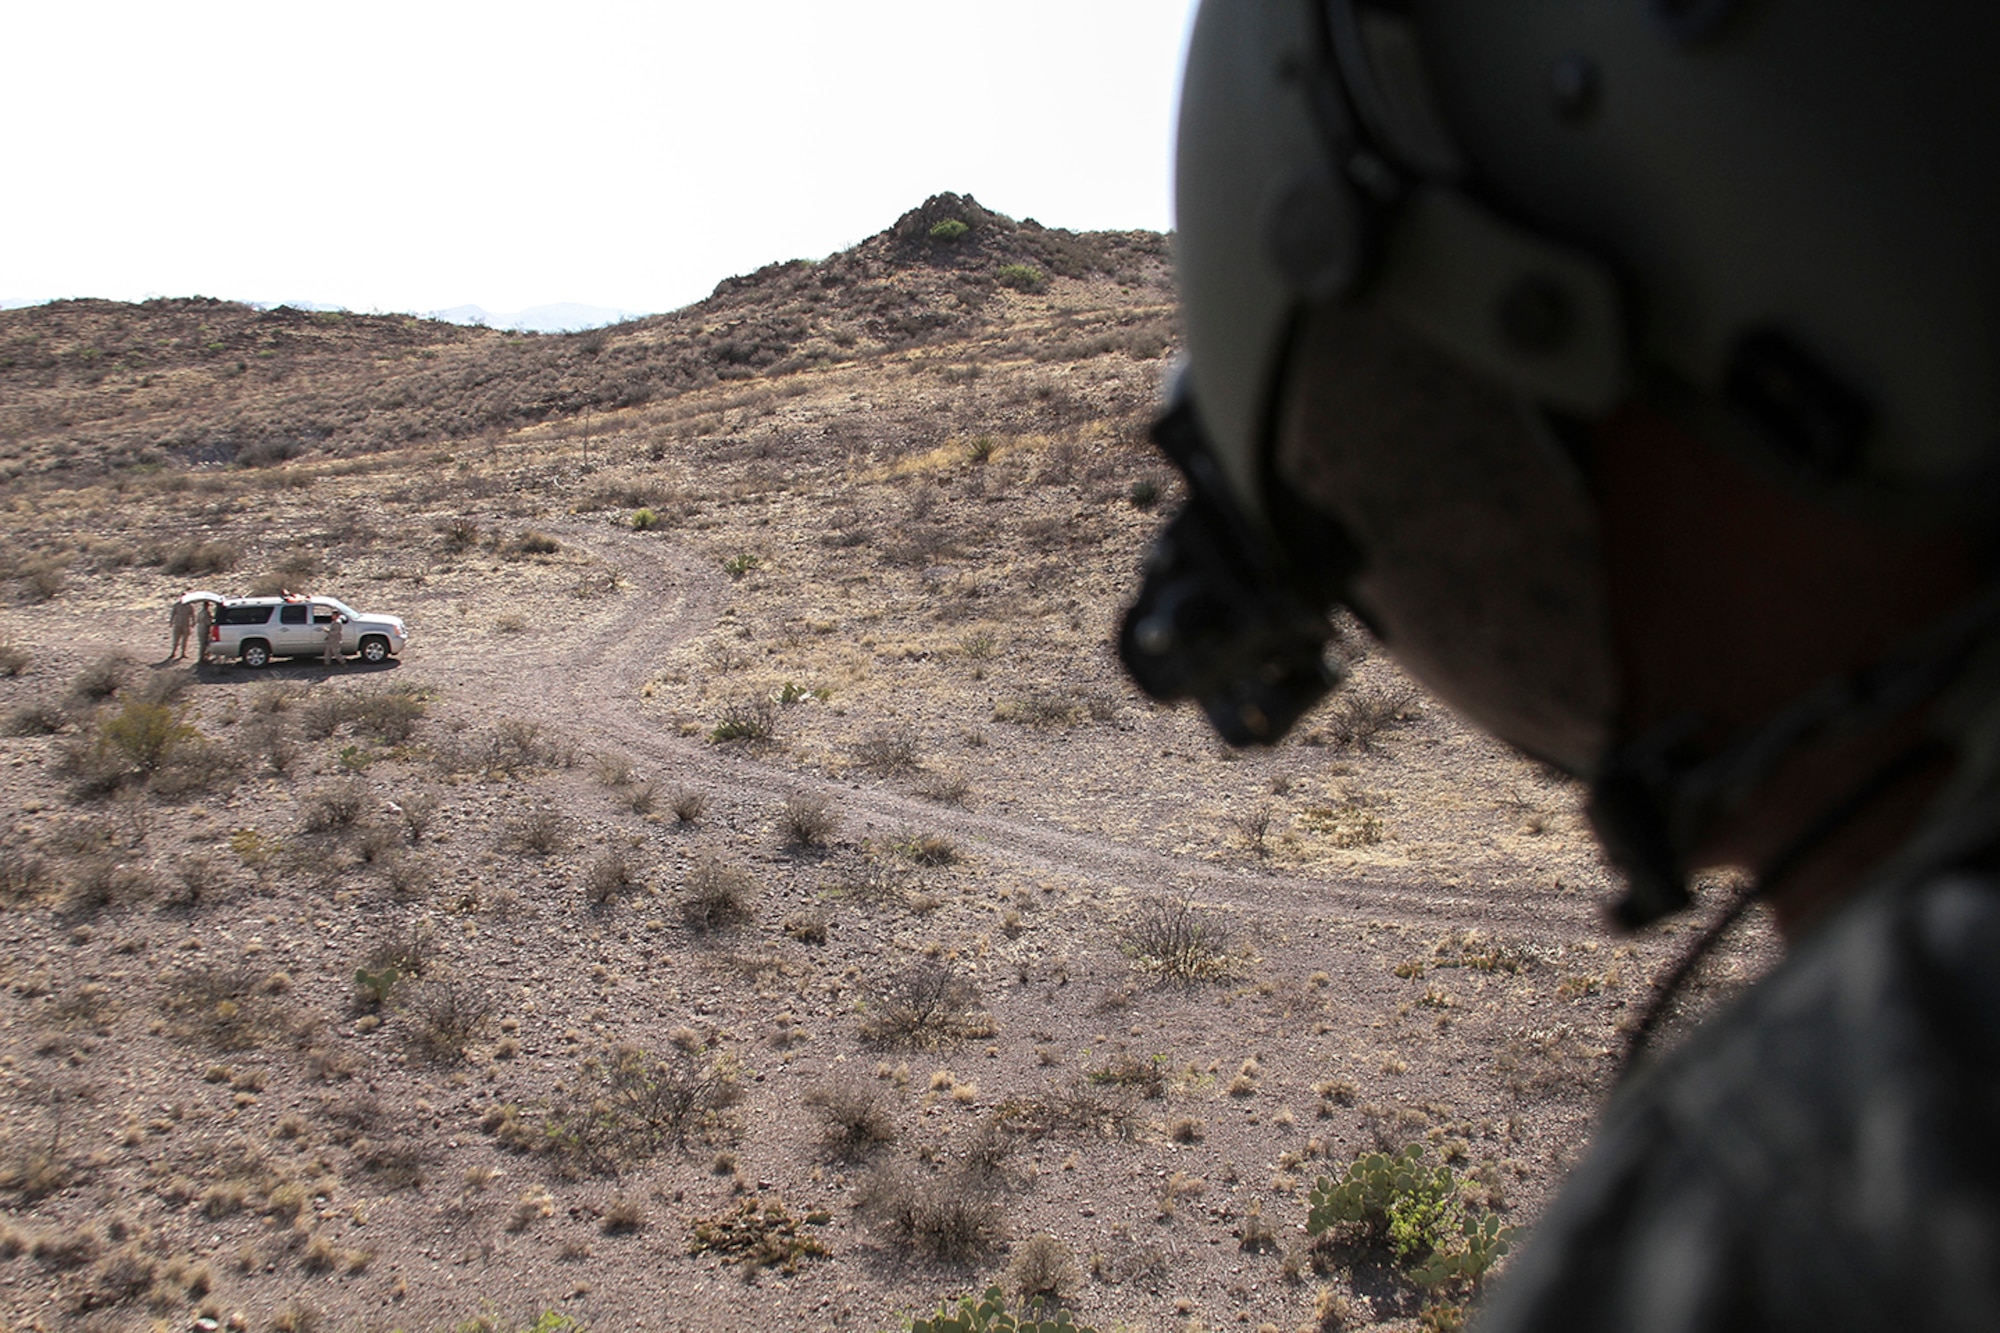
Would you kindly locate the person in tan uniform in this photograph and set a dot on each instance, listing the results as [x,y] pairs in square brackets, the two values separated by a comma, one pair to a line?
[181,621]
[331,656]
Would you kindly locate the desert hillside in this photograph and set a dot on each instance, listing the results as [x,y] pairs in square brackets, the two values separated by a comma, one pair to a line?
[755,899]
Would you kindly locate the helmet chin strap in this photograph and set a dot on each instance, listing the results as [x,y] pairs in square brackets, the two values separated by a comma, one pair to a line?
[1655,796]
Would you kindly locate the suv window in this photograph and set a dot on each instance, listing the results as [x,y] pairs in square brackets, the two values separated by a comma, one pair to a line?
[291,615]
[243,615]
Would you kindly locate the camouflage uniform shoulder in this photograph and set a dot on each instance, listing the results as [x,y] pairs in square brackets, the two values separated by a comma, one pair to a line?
[1819,1157]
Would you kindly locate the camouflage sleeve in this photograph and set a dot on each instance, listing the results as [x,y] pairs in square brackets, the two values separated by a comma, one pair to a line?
[1820,1157]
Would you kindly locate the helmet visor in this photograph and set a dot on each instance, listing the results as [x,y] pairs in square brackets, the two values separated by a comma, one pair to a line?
[1481,563]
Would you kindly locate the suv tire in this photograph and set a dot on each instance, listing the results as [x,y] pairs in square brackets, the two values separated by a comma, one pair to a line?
[374,650]
[256,654]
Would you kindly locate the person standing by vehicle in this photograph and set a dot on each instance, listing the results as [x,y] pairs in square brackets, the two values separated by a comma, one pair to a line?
[181,621]
[204,620]
[334,626]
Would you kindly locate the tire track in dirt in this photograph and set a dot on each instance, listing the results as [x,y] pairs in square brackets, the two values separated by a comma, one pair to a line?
[675,598]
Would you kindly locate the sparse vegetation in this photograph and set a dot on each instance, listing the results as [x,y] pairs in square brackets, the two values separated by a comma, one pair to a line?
[1175,941]
[808,820]
[628,1103]
[926,1004]
[717,896]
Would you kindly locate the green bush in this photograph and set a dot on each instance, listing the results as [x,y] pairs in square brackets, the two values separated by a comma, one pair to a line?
[948,230]
[145,735]
[1414,1211]
[989,1314]
[1022,277]
[645,520]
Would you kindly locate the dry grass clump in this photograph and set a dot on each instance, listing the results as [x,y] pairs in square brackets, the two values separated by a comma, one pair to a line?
[232,1008]
[334,807]
[1176,942]
[198,557]
[540,832]
[718,896]
[614,870]
[1043,1268]
[628,1103]
[688,804]
[925,849]
[808,820]
[888,749]
[35,718]
[13,659]
[854,1121]
[926,1004]
[104,677]
[748,719]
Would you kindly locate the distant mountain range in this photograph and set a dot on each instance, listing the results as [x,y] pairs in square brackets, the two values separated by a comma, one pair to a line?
[563,317]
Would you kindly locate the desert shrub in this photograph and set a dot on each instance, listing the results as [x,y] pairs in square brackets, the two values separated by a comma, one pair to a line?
[809,927]
[808,820]
[640,797]
[949,788]
[688,804]
[540,832]
[628,1103]
[92,769]
[460,534]
[853,1120]
[101,882]
[1040,709]
[231,1008]
[1042,1268]
[888,749]
[758,1234]
[447,1016]
[736,566]
[41,580]
[333,807]
[35,718]
[198,557]
[1146,1077]
[948,230]
[925,849]
[748,719]
[417,809]
[1021,277]
[951,1216]
[1145,493]
[612,770]
[926,1004]
[612,871]
[23,874]
[13,660]
[104,677]
[1175,942]
[144,735]
[718,896]
[1357,717]
[197,879]
[390,715]
[989,1314]
[645,520]
[515,744]
[530,542]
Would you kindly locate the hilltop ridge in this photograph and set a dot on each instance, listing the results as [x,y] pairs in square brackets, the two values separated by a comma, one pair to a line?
[94,385]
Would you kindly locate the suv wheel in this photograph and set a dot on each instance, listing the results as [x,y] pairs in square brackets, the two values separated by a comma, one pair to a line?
[374,649]
[256,654]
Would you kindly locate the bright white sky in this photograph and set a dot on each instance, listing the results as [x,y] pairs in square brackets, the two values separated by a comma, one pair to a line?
[423,154]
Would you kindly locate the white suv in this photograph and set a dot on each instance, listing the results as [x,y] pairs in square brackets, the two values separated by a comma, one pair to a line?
[256,629]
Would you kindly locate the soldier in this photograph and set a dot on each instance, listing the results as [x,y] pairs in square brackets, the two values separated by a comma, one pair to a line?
[203,619]
[1628,369]
[181,621]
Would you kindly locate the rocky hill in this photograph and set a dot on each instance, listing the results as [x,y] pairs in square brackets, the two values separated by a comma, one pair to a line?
[100,385]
